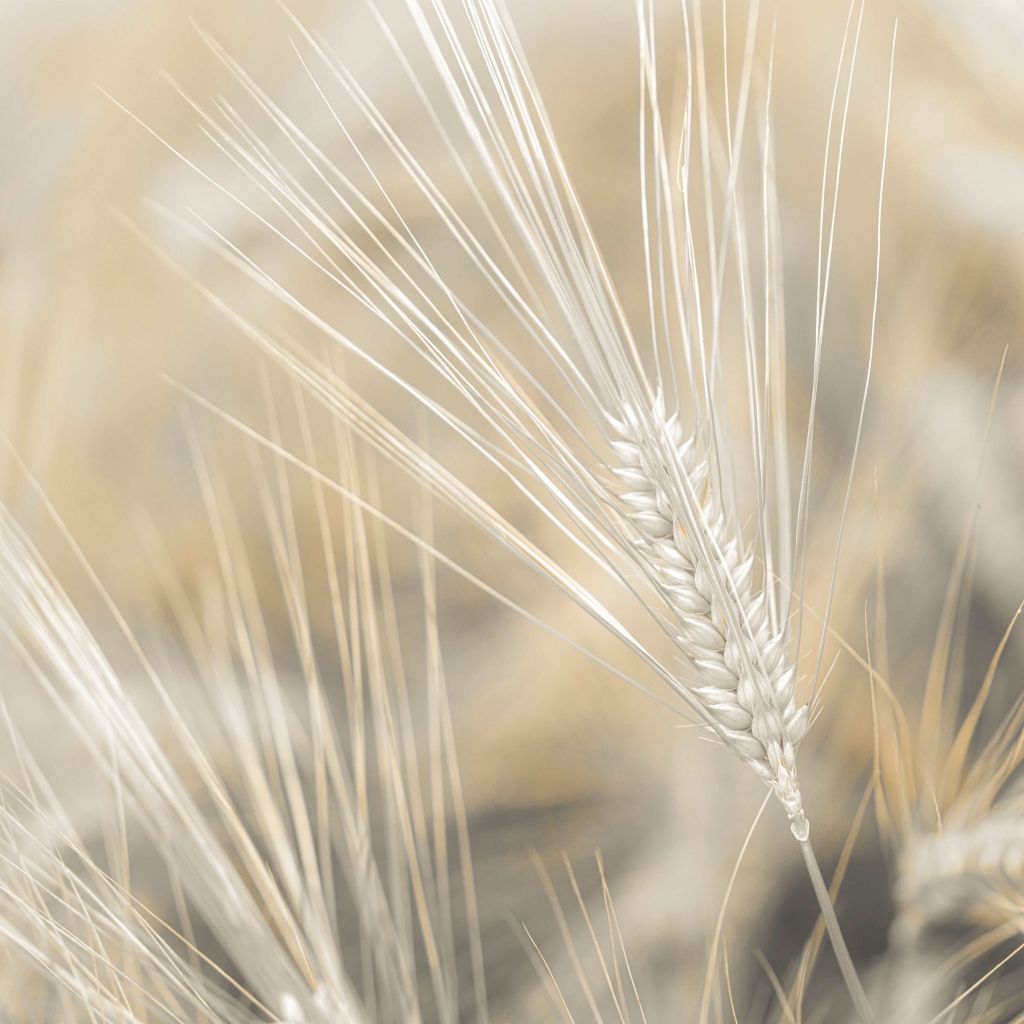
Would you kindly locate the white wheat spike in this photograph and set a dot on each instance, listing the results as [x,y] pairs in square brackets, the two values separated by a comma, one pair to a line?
[723,625]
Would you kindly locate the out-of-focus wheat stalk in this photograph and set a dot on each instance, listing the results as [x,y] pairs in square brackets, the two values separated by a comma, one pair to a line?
[948,799]
[319,859]
[946,804]
[633,454]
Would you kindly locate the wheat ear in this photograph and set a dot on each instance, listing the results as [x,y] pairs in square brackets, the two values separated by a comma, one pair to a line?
[722,626]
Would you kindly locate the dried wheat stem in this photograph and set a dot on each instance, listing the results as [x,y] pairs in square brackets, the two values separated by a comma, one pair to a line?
[835,934]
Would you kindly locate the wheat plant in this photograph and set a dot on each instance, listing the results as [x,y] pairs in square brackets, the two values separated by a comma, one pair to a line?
[619,435]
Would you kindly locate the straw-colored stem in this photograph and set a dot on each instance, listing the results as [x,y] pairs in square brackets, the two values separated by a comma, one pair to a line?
[849,972]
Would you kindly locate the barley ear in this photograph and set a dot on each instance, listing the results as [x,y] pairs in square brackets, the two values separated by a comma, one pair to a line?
[720,622]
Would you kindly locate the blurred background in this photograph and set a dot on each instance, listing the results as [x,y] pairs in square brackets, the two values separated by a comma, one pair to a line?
[100,315]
